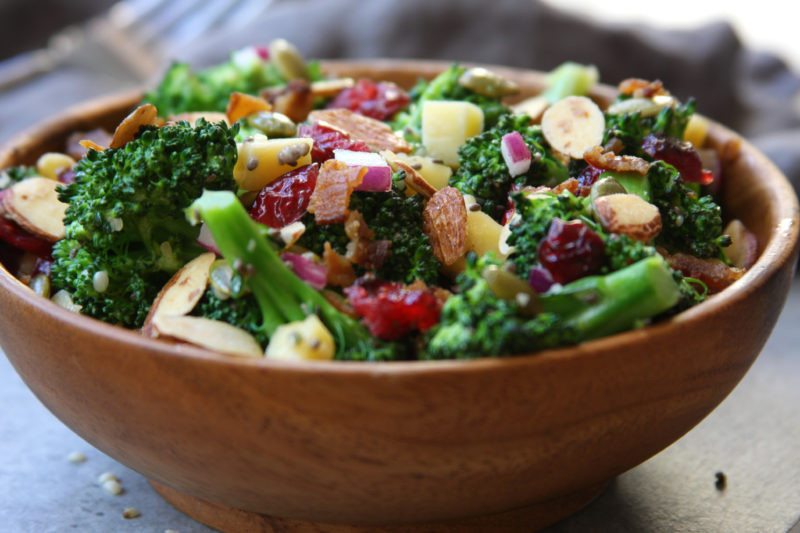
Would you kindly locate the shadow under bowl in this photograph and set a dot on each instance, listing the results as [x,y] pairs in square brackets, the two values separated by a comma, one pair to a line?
[513,443]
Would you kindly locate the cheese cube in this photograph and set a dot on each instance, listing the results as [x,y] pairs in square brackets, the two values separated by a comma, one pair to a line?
[447,125]
[261,160]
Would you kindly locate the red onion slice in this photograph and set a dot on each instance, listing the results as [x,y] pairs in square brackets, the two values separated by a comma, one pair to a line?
[312,273]
[515,153]
[379,174]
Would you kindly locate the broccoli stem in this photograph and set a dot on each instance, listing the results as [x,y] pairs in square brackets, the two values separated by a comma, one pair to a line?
[597,306]
[281,295]
[569,79]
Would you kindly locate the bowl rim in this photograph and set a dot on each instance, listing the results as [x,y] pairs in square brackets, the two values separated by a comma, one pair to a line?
[779,249]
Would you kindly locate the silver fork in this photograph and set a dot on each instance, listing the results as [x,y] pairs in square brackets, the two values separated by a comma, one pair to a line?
[132,39]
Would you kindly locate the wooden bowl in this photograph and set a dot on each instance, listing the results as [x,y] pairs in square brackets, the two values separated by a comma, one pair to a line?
[513,443]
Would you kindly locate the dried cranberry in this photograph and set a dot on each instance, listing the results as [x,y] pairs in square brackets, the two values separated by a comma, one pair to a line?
[19,238]
[587,177]
[511,209]
[67,175]
[391,309]
[377,100]
[681,155]
[285,200]
[570,251]
[326,140]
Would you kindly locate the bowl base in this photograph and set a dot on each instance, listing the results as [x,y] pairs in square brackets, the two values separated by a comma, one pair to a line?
[524,519]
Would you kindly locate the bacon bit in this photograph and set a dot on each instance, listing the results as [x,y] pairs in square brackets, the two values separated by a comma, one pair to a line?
[572,185]
[340,271]
[713,272]
[444,221]
[616,163]
[374,133]
[241,105]
[144,115]
[639,88]
[362,249]
[441,294]
[295,99]
[330,201]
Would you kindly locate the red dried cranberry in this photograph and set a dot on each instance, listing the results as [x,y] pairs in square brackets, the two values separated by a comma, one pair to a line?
[326,140]
[19,238]
[285,200]
[377,100]
[681,155]
[511,209]
[570,251]
[391,309]
[587,177]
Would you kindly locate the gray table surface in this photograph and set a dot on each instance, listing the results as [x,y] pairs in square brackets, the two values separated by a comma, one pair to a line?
[752,436]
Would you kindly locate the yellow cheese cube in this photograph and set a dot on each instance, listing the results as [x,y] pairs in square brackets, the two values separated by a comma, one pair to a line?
[437,174]
[484,234]
[261,160]
[447,125]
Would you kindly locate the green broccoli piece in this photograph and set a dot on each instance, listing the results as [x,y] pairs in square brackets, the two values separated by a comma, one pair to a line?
[392,216]
[632,128]
[241,310]
[691,223]
[281,296]
[445,86]
[533,221]
[11,175]
[182,90]
[125,216]
[484,174]
[476,323]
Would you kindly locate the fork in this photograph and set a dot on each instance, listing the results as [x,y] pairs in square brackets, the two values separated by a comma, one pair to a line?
[133,38]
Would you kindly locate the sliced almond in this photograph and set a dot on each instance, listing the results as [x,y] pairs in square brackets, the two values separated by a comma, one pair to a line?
[193,116]
[628,214]
[374,133]
[573,125]
[291,233]
[414,179]
[534,107]
[444,221]
[240,105]
[743,250]
[212,334]
[144,115]
[33,204]
[330,88]
[182,291]
[599,158]
[91,145]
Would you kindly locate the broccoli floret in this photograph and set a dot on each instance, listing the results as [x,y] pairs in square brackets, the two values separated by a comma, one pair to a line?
[125,216]
[11,175]
[632,128]
[281,296]
[240,309]
[691,223]
[392,216]
[484,174]
[183,90]
[445,86]
[476,323]
[532,221]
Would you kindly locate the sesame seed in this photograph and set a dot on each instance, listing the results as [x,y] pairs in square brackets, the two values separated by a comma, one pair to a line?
[252,163]
[475,207]
[437,161]
[416,166]
[131,512]
[107,476]
[100,281]
[113,487]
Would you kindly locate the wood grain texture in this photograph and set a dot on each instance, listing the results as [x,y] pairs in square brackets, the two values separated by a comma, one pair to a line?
[399,443]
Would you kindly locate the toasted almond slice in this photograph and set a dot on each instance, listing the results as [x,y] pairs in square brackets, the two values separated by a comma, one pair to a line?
[628,214]
[330,88]
[33,204]
[193,116]
[534,107]
[414,179]
[743,250]
[212,334]
[91,145]
[291,233]
[374,133]
[183,290]
[240,105]
[444,221]
[599,158]
[144,115]
[573,125]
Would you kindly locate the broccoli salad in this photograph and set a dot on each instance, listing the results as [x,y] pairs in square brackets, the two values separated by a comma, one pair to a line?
[258,208]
